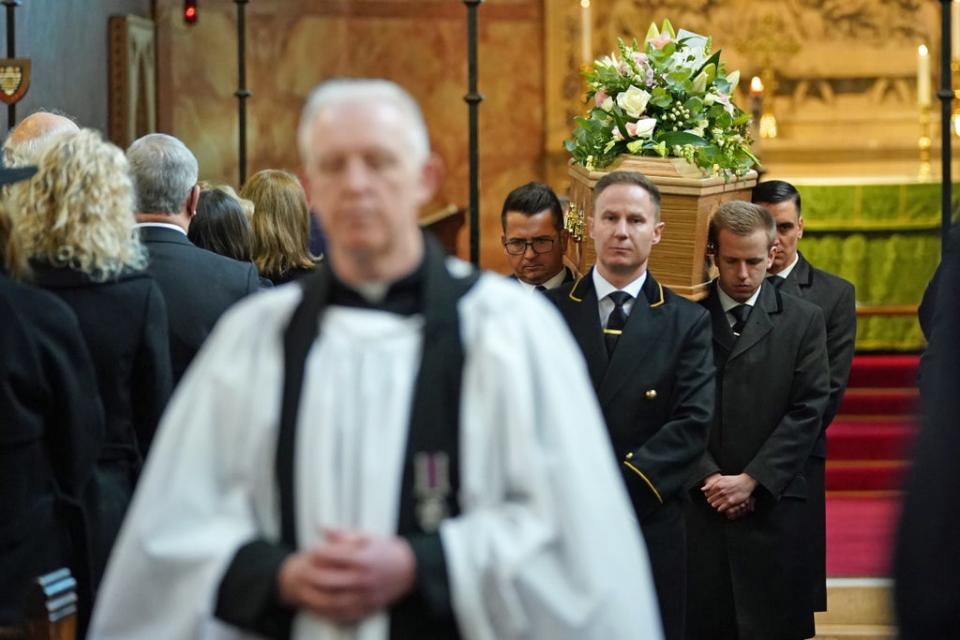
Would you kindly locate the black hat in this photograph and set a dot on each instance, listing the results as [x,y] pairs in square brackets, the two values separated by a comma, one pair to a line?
[9,175]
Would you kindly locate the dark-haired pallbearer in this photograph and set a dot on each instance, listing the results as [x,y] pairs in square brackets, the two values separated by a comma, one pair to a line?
[534,238]
[835,297]
[651,362]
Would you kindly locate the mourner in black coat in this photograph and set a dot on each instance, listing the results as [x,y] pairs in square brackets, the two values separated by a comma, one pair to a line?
[749,526]
[51,436]
[124,324]
[654,381]
[197,285]
[835,296]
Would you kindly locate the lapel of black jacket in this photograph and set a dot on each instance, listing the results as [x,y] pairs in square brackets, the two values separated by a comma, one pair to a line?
[804,273]
[759,323]
[722,333]
[584,321]
[643,328]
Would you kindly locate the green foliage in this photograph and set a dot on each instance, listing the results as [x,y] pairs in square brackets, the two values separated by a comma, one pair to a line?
[683,96]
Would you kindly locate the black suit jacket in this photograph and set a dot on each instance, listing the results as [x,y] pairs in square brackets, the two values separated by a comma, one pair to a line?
[836,298]
[197,286]
[51,429]
[772,388]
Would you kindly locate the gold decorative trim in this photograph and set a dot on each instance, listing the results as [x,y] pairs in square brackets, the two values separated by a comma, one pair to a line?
[574,288]
[660,301]
[645,479]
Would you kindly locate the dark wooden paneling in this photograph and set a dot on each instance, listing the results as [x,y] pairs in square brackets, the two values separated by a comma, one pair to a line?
[67,42]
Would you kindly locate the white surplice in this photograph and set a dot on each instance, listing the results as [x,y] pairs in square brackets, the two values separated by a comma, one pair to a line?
[546,545]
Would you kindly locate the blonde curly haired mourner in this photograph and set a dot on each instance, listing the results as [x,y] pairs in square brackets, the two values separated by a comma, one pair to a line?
[78,211]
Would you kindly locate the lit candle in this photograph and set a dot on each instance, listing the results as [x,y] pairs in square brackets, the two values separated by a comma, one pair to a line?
[923,76]
[586,48]
[756,86]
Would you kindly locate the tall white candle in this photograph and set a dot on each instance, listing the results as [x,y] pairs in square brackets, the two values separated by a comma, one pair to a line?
[586,47]
[923,76]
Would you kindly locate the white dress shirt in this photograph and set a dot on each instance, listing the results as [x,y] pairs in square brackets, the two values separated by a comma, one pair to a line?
[786,271]
[162,225]
[552,283]
[604,289]
[729,303]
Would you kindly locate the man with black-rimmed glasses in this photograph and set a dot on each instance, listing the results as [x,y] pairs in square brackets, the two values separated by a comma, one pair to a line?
[533,237]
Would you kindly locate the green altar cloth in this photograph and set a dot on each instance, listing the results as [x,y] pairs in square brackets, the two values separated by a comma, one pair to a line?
[882,236]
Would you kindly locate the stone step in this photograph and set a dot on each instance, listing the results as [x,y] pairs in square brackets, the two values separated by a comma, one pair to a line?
[858,608]
[855,632]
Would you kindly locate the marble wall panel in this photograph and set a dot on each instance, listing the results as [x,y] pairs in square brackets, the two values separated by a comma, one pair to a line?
[292,45]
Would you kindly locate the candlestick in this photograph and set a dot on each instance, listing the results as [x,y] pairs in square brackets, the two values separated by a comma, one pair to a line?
[923,76]
[586,47]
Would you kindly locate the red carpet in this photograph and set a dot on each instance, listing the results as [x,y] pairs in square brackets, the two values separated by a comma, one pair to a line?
[866,449]
[860,535]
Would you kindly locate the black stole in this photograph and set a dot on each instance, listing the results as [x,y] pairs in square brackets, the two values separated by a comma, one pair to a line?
[434,420]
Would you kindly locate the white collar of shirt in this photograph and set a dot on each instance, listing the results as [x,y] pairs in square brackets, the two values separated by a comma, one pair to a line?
[729,303]
[162,225]
[604,289]
[786,272]
[552,283]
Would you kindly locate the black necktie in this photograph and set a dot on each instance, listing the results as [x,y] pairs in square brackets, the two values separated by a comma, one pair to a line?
[618,318]
[540,288]
[776,281]
[740,313]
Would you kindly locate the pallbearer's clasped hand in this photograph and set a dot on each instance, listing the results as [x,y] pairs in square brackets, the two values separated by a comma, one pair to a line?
[730,495]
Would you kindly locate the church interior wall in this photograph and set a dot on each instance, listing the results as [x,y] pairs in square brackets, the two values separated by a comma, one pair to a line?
[66,41]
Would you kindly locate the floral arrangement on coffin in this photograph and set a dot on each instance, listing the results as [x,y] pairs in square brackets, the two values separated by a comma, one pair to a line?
[669,98]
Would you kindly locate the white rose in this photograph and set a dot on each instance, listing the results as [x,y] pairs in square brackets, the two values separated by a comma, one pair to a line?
[643,128]
[633,101]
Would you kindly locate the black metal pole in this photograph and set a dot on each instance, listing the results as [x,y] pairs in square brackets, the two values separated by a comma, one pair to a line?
[241,93]
[473,99]
[11,52]
[946,108]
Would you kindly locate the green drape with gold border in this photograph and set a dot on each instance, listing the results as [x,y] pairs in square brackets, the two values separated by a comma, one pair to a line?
[884,238]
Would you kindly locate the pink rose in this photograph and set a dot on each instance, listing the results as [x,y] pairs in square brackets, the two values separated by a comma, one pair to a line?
[661,40]
[599,97]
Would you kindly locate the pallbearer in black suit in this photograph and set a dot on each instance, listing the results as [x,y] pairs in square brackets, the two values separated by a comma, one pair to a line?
[835,297]
[533,237]
[748,524]
[650,358]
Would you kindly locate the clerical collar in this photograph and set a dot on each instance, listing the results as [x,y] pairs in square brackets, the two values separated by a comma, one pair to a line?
[403,296]
[785,273]
[604,288]
[729,303]
[552,283]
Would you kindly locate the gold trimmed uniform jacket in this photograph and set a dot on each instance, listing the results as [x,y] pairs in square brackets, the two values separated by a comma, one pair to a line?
[657,394]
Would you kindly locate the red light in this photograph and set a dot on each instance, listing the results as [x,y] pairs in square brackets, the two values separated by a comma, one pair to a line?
[190,11]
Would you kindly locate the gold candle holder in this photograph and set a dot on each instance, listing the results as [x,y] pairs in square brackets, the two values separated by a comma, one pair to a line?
[768,121]
[955,114]
[924,142]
